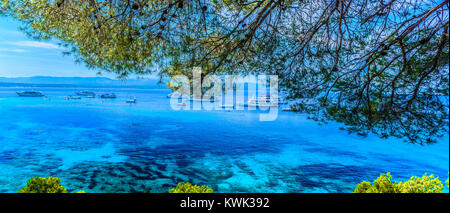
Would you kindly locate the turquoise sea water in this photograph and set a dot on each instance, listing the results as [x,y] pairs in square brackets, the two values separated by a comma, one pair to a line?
[110,146]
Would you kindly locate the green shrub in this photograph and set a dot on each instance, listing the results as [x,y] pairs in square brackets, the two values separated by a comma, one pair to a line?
[189,188]
[364,187]
[384,184]
[426,184]
[43,185]
[447,182]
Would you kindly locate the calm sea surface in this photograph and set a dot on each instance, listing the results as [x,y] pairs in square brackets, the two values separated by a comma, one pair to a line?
[110,146]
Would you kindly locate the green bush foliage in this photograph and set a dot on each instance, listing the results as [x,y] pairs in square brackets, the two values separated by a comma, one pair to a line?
[426,184]
[189,188]
[384,184]
[447,181]
[43,185]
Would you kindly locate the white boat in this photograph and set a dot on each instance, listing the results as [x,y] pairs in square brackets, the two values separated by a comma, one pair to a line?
[261,101]
[73,97]
[255,103]
[271,98]
[30,94]
[109,96]
[228,106]
[132,101]
[86,93]
[287,109]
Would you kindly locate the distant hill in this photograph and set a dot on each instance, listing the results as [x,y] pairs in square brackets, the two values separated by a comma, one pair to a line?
[92,82]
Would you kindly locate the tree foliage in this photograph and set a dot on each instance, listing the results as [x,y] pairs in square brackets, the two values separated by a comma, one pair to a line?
[378,66]
[43,185]
[189,188]
[384,184]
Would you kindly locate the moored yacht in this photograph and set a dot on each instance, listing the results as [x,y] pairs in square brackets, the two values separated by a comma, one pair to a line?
[262,101]
[228,106]
[86,93]
[30,94]
[111,96]
[73,97]
[132,101]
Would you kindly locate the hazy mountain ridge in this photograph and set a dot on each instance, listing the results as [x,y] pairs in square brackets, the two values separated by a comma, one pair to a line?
[47,81]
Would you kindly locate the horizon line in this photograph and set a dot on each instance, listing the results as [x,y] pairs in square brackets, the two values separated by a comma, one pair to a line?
[49,76]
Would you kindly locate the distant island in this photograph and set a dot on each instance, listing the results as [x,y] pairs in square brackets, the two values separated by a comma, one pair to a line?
[85,82]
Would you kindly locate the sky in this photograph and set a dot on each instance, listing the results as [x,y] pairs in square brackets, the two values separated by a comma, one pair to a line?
[20,56]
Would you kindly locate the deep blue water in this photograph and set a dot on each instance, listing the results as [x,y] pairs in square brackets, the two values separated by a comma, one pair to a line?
[110,146]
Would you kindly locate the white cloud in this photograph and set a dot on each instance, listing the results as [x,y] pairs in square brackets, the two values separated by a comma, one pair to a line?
[14,50]
[36,44]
